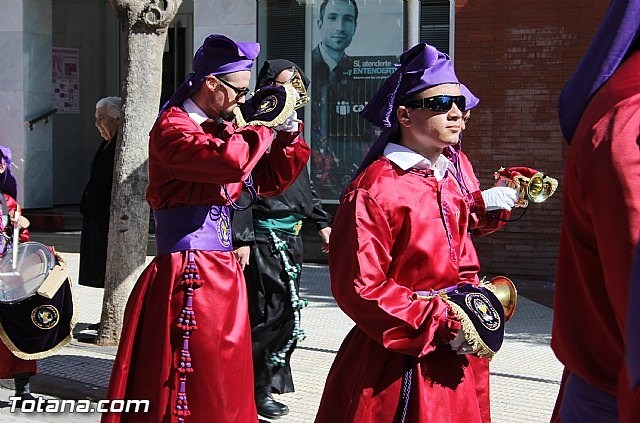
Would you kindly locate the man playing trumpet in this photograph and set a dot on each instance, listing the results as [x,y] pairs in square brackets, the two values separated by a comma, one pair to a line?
[199,162]
[404,225]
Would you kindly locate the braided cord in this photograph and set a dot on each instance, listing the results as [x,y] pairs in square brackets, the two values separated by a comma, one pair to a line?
[278,358]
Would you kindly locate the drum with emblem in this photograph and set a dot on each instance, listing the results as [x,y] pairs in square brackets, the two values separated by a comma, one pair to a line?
[36,304]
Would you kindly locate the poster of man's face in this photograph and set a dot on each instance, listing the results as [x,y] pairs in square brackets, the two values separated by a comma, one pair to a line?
[355,46]
[337,24]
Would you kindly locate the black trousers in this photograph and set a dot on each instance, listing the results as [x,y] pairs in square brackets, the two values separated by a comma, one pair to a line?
[270,310]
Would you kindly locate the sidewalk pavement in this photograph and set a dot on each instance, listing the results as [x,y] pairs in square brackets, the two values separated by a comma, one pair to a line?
[524,374]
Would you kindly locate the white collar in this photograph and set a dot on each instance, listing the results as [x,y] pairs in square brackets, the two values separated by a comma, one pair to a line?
[327,59]
[406,159]
[195,112]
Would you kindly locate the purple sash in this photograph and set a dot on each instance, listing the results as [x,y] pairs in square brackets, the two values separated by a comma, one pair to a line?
[583,402]
[193,228]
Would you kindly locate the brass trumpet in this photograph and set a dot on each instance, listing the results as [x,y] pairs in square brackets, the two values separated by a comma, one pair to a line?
[530,184]
[505,290]
[271,105]
[501,286]
[297,83]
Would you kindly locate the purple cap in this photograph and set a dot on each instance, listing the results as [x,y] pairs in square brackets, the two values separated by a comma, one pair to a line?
[471,100]
[218,55]
[611,44]
[8,184]
[421,67]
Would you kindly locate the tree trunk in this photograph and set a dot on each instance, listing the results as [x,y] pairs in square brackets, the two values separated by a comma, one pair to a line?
[146,23]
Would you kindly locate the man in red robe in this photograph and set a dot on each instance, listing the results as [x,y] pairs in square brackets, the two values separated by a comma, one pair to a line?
[600,118]
[404,226]
[186,341]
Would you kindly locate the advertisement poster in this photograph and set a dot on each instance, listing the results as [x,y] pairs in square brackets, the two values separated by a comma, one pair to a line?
[66,80]
[355,47]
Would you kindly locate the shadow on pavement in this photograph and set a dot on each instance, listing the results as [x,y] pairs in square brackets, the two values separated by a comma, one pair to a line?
[73,377]
[315,286]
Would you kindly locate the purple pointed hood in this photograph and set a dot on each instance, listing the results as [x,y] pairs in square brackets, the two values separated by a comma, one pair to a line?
[421,67]
[217,55]
[610,46]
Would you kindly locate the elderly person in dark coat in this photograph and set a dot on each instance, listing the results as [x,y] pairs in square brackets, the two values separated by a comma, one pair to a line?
[96,199]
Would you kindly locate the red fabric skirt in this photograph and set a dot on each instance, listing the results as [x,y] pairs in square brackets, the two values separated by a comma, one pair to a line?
[10,364]
[365,382]
[220,388]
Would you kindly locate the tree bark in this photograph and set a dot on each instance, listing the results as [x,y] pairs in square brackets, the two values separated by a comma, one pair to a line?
[146,23]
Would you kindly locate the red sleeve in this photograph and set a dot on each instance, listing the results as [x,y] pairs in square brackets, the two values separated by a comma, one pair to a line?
[280,167]
[609,189]
[484,222]
[481,221]
[359,263]
[193,155]
[11,206]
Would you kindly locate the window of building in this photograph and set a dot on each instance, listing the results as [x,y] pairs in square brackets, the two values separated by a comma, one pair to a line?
[436,22]
[177,56]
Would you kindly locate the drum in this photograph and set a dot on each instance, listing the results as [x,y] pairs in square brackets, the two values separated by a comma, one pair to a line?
[36,304]
[22,279]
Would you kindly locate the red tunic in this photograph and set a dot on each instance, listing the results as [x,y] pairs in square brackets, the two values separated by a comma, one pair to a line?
[187,165]
[600,227]
[400,232]
[9,363]
[481,222]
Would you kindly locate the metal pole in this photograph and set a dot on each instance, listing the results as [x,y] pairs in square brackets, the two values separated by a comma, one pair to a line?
[411,23]
[452,30]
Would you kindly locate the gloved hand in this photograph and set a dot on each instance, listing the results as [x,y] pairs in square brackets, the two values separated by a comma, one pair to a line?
[460,345]
[289,125]
[497,198]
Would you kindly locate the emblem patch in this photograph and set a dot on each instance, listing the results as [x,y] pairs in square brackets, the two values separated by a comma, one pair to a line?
[297,227]
[267,105]
[45,316]
[224,230]
[481,307]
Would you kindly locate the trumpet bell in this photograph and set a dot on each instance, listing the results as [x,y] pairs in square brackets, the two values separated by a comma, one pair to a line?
[541,187]
[538,188]
[507,294]
[298,84]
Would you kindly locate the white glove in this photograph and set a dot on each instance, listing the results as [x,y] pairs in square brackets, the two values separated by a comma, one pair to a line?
[497,198]
[460,345]
[289,125]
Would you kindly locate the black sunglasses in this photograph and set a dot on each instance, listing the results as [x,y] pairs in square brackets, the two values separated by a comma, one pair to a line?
[240,92]
[439,103]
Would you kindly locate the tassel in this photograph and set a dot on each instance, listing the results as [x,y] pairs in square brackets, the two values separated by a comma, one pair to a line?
[186,322]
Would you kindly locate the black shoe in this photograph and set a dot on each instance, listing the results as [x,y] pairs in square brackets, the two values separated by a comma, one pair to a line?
[268,407]
[23,390]
[25,396]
